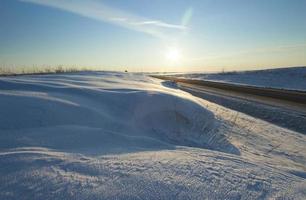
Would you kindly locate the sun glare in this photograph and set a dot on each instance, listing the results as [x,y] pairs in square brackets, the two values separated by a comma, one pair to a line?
[173,54]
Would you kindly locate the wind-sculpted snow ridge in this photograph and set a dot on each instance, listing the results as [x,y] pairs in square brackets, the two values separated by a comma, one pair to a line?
[127,136]
[85,110]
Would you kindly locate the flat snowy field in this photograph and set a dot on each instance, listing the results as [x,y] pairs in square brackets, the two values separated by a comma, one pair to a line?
[293,78]
[127,136]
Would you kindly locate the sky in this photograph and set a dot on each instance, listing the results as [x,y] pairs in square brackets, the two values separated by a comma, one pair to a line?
[153,35]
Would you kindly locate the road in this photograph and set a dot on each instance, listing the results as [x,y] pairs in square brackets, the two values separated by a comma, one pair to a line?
[288,112]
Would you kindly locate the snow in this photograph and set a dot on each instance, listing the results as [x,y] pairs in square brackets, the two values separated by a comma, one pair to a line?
[103,135]
[293,78]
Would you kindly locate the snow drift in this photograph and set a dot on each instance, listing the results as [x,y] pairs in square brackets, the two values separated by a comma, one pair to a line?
[68,112]
[125,136]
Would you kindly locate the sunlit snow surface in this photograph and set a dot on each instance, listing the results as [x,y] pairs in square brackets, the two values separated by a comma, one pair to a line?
[128,136]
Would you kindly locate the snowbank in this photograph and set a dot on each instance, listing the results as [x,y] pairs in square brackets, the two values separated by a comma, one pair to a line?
[126,136]
[87,110]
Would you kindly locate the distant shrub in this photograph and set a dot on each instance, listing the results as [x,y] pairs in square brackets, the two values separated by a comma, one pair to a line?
[229,73]
[59,69]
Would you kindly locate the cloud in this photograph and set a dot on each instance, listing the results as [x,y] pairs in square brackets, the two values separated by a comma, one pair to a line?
[160,24]
[96,10]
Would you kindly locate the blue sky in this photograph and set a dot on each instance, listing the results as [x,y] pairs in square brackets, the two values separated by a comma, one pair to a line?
[154,35]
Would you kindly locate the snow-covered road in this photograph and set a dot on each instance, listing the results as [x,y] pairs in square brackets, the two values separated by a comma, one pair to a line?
[127,136]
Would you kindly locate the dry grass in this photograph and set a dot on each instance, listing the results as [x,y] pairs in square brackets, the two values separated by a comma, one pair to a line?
[14,71]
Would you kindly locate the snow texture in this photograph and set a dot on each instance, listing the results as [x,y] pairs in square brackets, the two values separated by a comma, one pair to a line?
[99,135]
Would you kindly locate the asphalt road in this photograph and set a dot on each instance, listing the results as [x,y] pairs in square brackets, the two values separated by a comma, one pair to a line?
[280,107]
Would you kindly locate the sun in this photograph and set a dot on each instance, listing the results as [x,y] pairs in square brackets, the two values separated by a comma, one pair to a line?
[173,54]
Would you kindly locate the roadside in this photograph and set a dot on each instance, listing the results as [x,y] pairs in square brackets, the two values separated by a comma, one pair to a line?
[285,114]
